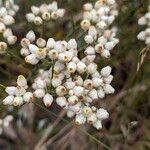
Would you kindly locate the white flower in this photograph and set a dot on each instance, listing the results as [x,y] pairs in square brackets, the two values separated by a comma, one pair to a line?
[31,59]
[105,53]
[18,101]
[108,89]
[46,16]
[72,44]
[53,6]
[71,67]
[35,10]
[98,124]
[21,81]
[61,12]
[10,90]
[61,101]
[89,50]
[41,42]
[91,68]
[102,114]
[88,39]
[92,118]
[70,114]
[8,100]
[97,82]
[38,21]
[39,93]
[80,119]
[7,33]
[61,90]
[20,91]
[88,7]
[73,99]
[24,52]
[88,84]
[12,40]
[56,82]
[31,36]
[8,20]
[87,111]
[2,27]
[106,71]
[81,67]
[50,43]
[30,17]
[93,94]
[100,92]
[85,24]
[28,97]
[78,90]
[48,99]
[3,47]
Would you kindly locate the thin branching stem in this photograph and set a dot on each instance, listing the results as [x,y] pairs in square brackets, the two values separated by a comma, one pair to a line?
[83,131]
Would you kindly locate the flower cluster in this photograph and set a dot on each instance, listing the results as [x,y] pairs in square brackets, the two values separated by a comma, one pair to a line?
[145,35]
[72,80]
[18,95]
[4,123]
[8,10]
[44,13]
[96,20]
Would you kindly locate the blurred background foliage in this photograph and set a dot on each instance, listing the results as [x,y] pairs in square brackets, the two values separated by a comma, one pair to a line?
[128,126]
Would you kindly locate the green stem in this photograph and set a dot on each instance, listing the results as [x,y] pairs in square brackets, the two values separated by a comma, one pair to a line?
[4,87]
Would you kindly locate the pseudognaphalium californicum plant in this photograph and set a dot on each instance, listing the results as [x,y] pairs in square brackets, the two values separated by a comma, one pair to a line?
[72,81]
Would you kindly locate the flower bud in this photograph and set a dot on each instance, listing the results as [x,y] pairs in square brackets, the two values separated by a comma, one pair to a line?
[35,10]
[28,97]
[39,93]
[24,52]
[21,81]
[102,114]
[31,59]
[8,100]
[31,36]
[10,90]
[108,89]
[3,47]
[18,101]
[38,21]
[30,17]
[105,72]
[61,101]
[61,90]
[7,33]
[25,42]
[2,27]
[12,40]
[73,99]
[80,119]
[41,42]
[48,99]
[46,16]
[85,24]
[8,20]
[53,54]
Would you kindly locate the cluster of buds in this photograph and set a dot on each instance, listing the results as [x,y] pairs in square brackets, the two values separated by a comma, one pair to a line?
[145,35]
[18,95]
[96,20]
[72,81]
[5,122]
[44,13]
[8,10]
